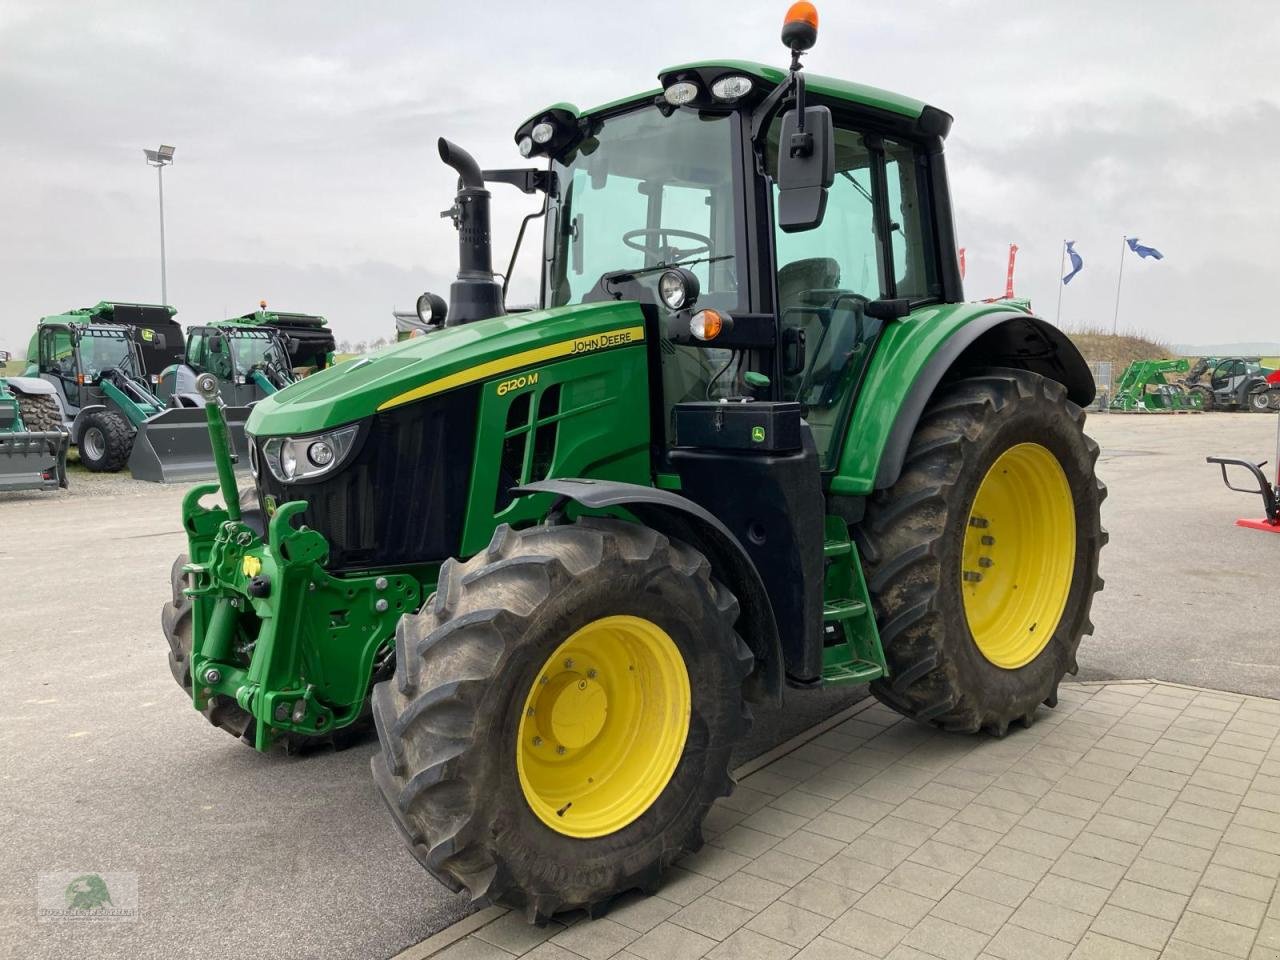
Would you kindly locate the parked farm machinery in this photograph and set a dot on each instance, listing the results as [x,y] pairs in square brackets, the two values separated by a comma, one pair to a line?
[33,442]
[1144,388]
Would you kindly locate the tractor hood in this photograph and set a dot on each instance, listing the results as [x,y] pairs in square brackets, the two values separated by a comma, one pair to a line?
[441,361]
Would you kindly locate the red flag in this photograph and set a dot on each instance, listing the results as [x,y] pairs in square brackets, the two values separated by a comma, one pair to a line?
[962,263]
[1008,280]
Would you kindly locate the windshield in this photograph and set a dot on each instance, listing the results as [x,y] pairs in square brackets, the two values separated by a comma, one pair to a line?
[104,350]
[643,191]
[253,349]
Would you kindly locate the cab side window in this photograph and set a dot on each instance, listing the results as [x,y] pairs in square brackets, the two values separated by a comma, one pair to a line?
[197,350]
[875,241]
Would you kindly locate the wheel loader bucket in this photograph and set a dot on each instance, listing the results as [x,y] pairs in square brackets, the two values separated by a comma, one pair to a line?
[173,446]
[34,460]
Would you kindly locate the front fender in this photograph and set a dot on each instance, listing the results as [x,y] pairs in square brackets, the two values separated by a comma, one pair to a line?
[912,359]
[682,519]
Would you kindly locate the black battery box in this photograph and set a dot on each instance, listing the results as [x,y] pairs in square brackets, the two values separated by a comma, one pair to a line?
[748,425]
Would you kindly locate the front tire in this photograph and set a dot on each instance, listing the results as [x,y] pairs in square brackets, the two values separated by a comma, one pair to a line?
[562,715]
[105,442]
[982,560]
[1260,401]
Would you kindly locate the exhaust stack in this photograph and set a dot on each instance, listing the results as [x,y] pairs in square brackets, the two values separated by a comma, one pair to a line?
[474,295]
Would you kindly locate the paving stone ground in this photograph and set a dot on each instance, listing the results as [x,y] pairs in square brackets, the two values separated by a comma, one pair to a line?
[1136,820]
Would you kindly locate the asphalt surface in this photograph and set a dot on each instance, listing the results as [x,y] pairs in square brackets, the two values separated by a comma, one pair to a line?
[105,768]
[1189,596]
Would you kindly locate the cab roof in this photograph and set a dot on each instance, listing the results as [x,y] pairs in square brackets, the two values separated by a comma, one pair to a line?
[832,87]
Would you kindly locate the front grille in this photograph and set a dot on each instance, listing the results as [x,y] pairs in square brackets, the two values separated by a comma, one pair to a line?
[402,495]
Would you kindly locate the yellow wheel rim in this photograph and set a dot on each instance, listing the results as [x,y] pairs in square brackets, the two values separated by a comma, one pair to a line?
[603,726]
[1019,551]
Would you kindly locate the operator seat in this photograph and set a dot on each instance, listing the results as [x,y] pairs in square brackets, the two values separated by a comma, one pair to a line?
[802,284]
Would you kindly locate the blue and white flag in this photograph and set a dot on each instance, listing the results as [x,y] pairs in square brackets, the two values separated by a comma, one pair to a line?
[1140,250]
[1077,262]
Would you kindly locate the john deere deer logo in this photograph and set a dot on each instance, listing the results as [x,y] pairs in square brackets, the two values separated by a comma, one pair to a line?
[87,892]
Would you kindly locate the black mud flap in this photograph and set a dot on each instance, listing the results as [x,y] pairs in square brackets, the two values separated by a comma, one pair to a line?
[174,446]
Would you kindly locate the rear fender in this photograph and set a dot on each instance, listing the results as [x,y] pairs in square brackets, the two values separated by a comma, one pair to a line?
[32,387]
[916,355]
[682,519]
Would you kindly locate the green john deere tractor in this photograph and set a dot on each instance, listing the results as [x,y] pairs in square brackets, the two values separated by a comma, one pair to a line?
[33,442]
[752,438]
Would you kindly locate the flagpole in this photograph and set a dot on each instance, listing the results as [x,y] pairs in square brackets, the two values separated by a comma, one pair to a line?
[1062,266]
[1119,280]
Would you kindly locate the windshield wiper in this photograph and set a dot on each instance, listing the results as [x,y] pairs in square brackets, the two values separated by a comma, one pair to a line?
[632,274]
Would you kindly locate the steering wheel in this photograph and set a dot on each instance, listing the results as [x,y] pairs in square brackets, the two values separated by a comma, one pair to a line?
[658,250]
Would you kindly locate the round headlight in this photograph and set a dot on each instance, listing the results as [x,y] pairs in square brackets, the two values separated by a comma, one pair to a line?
[680,93]
[542,132]
[526,146]
[678,288]
[320,453]
[729,89]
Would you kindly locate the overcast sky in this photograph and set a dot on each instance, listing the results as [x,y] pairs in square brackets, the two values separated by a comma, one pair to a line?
[306,172]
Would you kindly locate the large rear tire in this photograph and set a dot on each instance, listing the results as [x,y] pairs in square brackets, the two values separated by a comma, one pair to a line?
[562,715]
[1205,395]
[982,560]
[106,441]
[1260,401]
[40,413]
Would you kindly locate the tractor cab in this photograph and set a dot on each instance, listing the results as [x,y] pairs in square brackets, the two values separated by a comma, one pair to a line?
[86,362]
[250,362]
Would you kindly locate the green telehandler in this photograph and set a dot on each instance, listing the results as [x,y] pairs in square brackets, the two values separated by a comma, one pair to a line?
[33,442]
[753,437]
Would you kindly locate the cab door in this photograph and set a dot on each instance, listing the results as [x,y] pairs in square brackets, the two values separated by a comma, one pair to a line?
[58,363]
[874,242]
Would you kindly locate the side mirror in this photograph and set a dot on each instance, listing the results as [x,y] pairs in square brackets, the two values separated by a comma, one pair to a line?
[806,168]
[5,356]
[160,341]
[291,344]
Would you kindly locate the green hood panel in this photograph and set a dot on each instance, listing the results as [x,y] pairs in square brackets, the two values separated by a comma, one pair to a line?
[444,360]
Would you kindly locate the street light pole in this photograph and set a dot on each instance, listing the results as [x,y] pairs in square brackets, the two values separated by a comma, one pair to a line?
[160,159]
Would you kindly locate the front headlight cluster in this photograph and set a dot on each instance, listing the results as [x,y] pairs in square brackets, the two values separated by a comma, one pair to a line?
[303,458]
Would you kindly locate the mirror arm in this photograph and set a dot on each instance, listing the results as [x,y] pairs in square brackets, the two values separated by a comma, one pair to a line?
[764,114]
[525,179]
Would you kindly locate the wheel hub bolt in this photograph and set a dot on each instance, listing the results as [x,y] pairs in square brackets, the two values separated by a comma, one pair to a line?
[381,606]
[537,741]
[380,583]
[591,674]
[986,562]
[529,712]
[988,540]
[213,676]
[568,664]
[560,751]
[972,576]
[980,522]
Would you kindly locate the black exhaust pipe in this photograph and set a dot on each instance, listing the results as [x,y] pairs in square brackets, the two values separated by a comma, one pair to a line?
[475,295]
